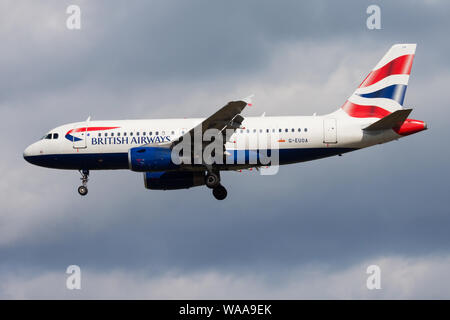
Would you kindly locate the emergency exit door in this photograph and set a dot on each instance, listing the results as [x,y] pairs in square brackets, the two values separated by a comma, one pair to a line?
[329,131]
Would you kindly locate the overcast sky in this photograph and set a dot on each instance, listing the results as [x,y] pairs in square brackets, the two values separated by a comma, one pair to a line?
[308,232]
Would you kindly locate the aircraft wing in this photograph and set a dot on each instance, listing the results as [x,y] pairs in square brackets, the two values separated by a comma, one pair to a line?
[228,117]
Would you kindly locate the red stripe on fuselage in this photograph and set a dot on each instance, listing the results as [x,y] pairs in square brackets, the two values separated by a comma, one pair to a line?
[90,129]
[409,126]
[360,111]
[400,65]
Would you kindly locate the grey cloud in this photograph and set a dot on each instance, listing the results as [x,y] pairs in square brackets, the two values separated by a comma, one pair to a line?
[123,44]
[401,278]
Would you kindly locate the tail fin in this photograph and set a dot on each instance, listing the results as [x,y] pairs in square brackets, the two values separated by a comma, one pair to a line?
[383,90]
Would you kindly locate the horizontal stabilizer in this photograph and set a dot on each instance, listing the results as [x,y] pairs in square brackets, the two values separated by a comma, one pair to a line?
[393,120]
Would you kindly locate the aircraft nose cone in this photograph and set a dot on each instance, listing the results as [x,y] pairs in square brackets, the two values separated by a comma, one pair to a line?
[28,153]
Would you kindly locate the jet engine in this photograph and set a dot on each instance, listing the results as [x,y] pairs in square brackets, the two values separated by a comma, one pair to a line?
[172,180]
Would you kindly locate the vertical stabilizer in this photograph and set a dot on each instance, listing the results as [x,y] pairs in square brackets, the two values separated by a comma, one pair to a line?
[383,90]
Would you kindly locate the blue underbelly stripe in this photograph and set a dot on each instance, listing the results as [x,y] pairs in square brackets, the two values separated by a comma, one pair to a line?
[105,161]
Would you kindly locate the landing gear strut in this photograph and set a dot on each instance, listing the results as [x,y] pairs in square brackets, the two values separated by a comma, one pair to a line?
[220,192]
[83,190]
[212,181]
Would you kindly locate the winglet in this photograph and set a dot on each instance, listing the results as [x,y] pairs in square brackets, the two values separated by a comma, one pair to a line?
[393,120]
[248,100]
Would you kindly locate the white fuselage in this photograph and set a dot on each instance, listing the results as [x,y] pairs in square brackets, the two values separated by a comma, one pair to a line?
[105,144]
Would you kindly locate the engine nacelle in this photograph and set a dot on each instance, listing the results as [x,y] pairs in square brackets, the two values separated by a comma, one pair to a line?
[172,180]
[144,159]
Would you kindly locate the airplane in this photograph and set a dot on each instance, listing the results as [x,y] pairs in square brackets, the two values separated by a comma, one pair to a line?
[373,114]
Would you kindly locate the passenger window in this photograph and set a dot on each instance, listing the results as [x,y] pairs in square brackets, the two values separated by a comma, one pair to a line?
[299,130]
[267,130]
[150,133]
[254,130]
[306,129]
[248,131]
[124,134]
[112,134]
[156,133]
[286,130]
[144,133]
[273,130]
[279,130]
[260,130]
[163,133]
[131,134]
[99,134]
[118,134]
[55,136]
[106,134]
[137,133]
[173,132]
[293,130]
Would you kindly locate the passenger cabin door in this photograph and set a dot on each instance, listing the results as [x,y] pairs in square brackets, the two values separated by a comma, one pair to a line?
[329,131]
[79,137]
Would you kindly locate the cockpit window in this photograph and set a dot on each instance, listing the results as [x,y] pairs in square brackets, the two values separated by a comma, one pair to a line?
[50,136]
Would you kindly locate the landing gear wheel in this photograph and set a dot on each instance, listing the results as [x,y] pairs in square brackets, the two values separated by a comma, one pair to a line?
[212,180]
[82,190]
[220,192]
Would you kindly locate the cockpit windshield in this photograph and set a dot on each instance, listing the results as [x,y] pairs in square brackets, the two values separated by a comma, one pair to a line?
[50,136]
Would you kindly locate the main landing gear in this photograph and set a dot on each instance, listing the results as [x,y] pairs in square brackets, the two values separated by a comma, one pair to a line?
[83,190]
[220,192]
[212,181]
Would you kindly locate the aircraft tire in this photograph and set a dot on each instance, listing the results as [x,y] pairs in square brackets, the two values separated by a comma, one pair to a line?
[82,190]
[212,180]
[220,192]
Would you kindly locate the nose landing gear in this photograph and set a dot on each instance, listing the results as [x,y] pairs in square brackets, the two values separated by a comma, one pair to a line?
[83,190]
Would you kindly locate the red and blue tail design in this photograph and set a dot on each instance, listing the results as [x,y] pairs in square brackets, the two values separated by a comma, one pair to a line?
[383,90]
